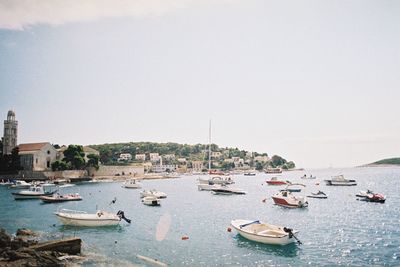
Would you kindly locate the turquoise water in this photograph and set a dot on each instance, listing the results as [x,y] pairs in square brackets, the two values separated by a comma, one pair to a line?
[337,231]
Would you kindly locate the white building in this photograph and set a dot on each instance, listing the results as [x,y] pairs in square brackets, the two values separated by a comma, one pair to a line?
[125,157]
[169,157]
[141,157]
[197,165]
[37,156]
[154,157]
[261,158]
[182,160]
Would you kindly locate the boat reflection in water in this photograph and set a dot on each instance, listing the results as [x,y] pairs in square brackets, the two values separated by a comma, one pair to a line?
[291,250]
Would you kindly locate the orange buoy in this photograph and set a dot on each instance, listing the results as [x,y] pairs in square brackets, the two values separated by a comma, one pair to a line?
[229,229]
[185,237]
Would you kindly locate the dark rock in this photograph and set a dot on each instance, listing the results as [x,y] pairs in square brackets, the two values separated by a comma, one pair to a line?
[71,246]
[5,239]
[25,232]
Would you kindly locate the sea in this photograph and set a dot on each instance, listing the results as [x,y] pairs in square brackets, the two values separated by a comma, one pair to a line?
[190,228]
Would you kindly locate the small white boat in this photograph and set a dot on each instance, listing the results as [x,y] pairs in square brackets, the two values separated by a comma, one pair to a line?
[249,174]
[153,192]
[207,187]
[81,218]
[340,181]
[132,184]
[35,191]
[6,182]
[308,177]
[151,201]
[265,233]
[286,199]
[217,180]
[21,185]
[318,194]
[364,193]
[227,190]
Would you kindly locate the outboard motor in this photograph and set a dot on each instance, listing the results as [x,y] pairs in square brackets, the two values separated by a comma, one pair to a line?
[121,214]
[290,232]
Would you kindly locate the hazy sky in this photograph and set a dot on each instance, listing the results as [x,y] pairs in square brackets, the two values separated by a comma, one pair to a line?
[317,82]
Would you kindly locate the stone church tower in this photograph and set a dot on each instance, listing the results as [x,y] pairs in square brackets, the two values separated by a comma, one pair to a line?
[10,133]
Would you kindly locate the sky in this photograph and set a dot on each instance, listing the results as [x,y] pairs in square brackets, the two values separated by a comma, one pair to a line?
[316,82]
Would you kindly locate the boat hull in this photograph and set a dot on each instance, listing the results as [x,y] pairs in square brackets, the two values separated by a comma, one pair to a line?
[18,196]
[88,221]
[281,240]
[289,204]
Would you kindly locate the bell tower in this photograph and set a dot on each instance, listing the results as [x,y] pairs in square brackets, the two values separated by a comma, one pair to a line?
[10,133]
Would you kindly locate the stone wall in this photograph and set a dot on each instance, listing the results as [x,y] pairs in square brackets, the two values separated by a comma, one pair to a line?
[104,170]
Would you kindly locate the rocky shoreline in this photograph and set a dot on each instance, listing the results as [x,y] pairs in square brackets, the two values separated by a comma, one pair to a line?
[25,250]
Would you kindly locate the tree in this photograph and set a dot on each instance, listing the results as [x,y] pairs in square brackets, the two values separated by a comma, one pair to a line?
[277,161]
[74,156]
[259,166]
[93,161]
[59,166]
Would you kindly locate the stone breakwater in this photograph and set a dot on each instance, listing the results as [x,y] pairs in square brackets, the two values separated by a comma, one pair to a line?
[25,250]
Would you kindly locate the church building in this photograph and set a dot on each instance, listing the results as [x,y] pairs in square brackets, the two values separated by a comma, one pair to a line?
[9,139]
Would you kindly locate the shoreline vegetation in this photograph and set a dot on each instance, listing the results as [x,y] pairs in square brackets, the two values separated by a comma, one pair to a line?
[390,162]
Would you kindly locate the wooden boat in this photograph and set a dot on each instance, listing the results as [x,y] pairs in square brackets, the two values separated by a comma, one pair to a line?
[61,198]
[81,218]
[286,199]
[273,170]
[275,181]
[265,233]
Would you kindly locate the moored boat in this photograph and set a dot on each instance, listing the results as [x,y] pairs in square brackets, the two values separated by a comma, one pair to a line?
[249,174]
[207,187]
[151,201]
[35,191]
[370,196]
[227,190]
[61,198]
[153,192]
[308,177]
[216,180]
[286,199]
[340,181]
[265,233]
[273,170]
[318,194]
[19,184]
[132,184]
[6,182]
[81,218]
[275,181]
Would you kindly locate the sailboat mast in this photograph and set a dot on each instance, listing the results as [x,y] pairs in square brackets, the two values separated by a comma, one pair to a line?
[209,146]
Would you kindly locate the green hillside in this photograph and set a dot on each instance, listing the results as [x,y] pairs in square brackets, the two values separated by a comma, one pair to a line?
[109,154]
[391,161]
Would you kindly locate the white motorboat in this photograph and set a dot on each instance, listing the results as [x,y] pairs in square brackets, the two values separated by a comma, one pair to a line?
[265,233]
[151,201]
[153,192]
[227,190]
[318,194]
[286,199]
[207,187]
[364,193]
[132,184]
[81,218]
[217,180]
[6,182]
[340,181]
[35,191]
[21,185]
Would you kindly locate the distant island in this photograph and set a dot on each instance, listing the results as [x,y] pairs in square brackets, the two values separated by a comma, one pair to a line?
[384,162]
